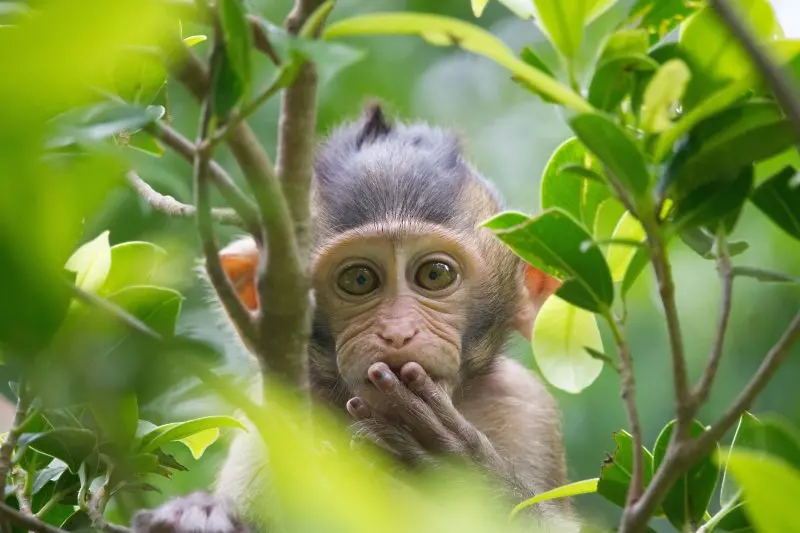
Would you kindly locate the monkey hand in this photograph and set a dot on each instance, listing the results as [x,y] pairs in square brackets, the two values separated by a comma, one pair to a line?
[197,513]
[417,422]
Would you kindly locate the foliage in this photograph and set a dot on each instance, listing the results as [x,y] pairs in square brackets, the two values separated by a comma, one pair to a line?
[671,140]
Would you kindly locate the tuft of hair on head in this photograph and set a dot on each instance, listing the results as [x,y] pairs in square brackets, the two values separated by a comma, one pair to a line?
[373,125]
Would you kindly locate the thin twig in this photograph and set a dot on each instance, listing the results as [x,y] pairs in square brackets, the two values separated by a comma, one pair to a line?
[240,316]
[783,88]
[172,207]
[96,510]
[725,270]
[8,446]
[27,522]
[628,386]
[245,208]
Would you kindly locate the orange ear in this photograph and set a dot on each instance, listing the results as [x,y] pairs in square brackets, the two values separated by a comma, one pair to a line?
[240,263]
[537,288]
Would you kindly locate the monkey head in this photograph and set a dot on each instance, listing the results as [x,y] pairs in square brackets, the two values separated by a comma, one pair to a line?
[401,270]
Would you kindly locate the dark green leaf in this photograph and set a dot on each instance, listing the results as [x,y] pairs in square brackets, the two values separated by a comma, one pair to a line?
[227,87]
[615,150]
[46,475]
[659,17]
[614,79]
[713,203]
[617,470]
[78,521]
[176,431]
[117,416]
[168,460]
[70,445]
[735,520]
[581,171]
[762,274]
[778,200]
[157,307]
[640,260]
[552,242]
[238,40]
[687,501]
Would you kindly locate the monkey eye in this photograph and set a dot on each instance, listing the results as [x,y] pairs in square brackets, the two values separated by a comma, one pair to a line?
[358,280]
[435,275]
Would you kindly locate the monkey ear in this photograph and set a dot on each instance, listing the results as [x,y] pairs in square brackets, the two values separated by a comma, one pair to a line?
[374,125]
[537,287]
[240,263]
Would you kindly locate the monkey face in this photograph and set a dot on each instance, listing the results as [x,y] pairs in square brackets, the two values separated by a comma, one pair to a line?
[395,294]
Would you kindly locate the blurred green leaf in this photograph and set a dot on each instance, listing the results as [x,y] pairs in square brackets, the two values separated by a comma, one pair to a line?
[770,486]
[78,521]
[615,149]
[662,95]
[762,274]
[713,203]
[570,191]
[735,520]
[177,431]
[478,6]
[560,333]
[200,441]
[71,445]
[157,307]
[779,201]
[138,77]
[614,79]
[132,263]
[553,243]
[620,256]
[238,41]
[716,51]
[587,486]
[101,121]
[637,264]
[659,17]
[142,141]
[440,30]
[227,87]
[193,40]
[687,500]
[702,243]
[91,262]
[564,21]
[118,416]
[625,42]
[617,470]
[529,56]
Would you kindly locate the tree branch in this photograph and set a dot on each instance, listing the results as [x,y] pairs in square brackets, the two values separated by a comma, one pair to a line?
[782,87]
[628,386]
[725,269]
[172,207]
[240,316]
[29,523]
[7,448]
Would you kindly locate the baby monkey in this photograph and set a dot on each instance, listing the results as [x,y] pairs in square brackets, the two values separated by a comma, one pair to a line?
[414,305]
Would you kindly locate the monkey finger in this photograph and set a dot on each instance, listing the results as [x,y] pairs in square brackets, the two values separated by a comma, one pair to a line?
[412,411]
[390,439]
[358,409]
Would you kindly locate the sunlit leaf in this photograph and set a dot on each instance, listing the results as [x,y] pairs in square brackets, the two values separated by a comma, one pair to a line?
[200,441]
[177,431]
[587,486]
[467,36]
[687,500]
[625,42]
[662,95]
[193,40]
[617,470]
[615,149]
[560,333]
[144,142]
[619,256]
[529,56]
[636,265]
[659,17]
[91,263]
[157,307]
[478,6]
[553,242]
[770,486]
[778,200]
[614,79]
[132,263]
[564,21]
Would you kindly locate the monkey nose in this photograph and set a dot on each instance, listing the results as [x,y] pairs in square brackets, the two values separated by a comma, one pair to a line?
[398,337]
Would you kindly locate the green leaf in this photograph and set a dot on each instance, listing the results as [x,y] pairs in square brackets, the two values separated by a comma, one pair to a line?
[78,521]
[687,501]
[560,333]
[617,470]
[177,431]
[199,442]
[713,203]
[564,21]
[100,122]
[478,6]
[552,242]
[529,56]
[71,445]
[762,274]
[238,40]
[662,95]
[193,40]
[735,520]
[660,17]
[132,263]
[575,194]
[615,78]
[91,263]
[619,256]
[640,260]
[142,141]
[715,51]
[625,42]
[117,416]
[155,306]
[442,30]
[227,87]
[615,149]
[770,488]
[587,486]
[779,201]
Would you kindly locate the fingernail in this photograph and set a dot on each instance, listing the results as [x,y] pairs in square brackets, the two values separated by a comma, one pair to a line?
[356,403]
[412,374]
